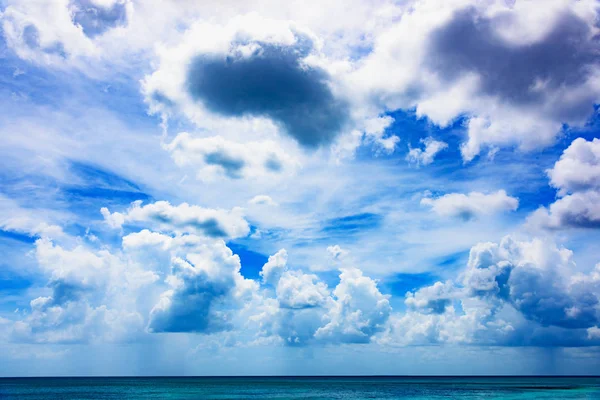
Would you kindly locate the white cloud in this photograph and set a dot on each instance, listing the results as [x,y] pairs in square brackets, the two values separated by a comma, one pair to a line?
[307,311]
[297,290]
[205,289]
[432,299]
[274,267]
[381,56]
[576,176]
[426,156]
[216,157]
[184,217]
[462,59]
[92,297]
[509,294]
[68,33]
[336,252]
[358,312]
[578,168]
[263,199]
[578,210]
[471,205]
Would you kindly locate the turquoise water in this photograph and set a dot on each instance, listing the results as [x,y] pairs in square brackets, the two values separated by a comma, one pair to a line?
[302,388]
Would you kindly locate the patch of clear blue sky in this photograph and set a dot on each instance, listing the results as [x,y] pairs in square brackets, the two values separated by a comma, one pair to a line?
[521,174]
[252,261]
[17,272]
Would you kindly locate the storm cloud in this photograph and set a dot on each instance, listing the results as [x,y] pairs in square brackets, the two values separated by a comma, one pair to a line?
[272,82]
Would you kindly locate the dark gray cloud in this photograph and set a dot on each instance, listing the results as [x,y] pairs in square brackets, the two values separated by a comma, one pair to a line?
[536,295]
[563,58]
[94,19]
[272,82]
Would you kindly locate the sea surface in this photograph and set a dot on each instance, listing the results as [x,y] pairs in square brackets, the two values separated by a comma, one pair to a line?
[302,388]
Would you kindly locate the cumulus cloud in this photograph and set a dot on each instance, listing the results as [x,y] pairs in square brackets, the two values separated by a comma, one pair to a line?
[358,312]
[576,176]
[298,290]
[273,269]
[578,168]
[515,73]
[432,299]
[471,205]
[307,311]
[214,157]
[511,293]
[578,210]
[92,297]
[204,289]
[184,217]
[427,155]
[294,289]
[255,68]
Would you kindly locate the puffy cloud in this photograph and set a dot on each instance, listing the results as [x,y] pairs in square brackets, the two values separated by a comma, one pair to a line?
[262,199]
[306,311]
[471,205]
[336,252]
[298,290]
[204,289]
[578,210]
[32,222]
[294,289]
[511,293]
[215,156]
[432,299]
[274,267]
[578,168]
[576,176]
[426,156]
[254,68]
[514,72]
[184,217]
[537,278]
[93,296]
[358,312]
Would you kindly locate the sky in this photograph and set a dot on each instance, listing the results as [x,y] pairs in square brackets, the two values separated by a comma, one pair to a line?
[299,188]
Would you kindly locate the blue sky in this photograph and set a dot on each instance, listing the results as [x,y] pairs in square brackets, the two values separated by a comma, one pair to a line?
[408,188]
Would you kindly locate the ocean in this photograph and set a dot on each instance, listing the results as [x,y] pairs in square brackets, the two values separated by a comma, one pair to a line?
[302,388]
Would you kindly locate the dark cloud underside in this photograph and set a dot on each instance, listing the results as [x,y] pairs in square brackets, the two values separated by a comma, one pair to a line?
[522,74]
[271,83]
